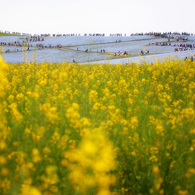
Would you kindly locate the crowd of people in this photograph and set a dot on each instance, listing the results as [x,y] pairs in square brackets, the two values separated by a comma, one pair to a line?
[32,39]
[169,34]
[26,43]
[16,43]
[184,45]
[23,41]
[179,46]
[192,58]
[144,52]
[121,53]
[48,46]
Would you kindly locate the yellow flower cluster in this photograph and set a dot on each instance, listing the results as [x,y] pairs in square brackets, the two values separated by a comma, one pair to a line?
[3,85]
[91,162]
[97,129]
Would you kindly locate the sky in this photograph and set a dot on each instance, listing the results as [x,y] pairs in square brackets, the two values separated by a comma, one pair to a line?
[100,16]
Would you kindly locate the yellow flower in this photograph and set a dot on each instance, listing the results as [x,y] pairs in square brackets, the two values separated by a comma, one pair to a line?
[182,192]
[155,170]
[4,172]
[190,173]
[2,160]
[35,155]
[29,190]
[15,113]
[92,161]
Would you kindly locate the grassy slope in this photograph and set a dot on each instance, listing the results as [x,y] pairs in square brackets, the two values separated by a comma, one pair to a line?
[7,34]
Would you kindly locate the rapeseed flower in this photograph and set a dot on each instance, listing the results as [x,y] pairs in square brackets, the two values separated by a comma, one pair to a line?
[101,129]
[91,162]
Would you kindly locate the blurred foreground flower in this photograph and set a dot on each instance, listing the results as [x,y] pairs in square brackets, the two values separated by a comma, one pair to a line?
[91,163]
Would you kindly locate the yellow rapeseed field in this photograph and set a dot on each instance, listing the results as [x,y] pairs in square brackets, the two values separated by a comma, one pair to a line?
[70,129]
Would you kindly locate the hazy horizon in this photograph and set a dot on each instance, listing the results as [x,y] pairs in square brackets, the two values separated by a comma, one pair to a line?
[103,16]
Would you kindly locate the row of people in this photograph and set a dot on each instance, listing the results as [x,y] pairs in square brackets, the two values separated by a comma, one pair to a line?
[33,39]
[175,44]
